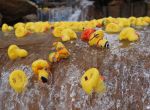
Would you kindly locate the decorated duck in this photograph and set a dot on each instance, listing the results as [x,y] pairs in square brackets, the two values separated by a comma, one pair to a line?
[68,34]
[97,39]
[15,52]
[128,34]
[112,28]
[92,81]
[41,68]
[61,52]
[21,32]
[18,80]
[85,36]
[6,28]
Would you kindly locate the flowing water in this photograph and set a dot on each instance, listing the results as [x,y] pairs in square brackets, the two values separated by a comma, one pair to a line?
[125,67]
[74,11]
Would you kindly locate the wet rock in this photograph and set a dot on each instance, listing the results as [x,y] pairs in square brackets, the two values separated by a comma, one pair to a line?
[30,17]
[14,10]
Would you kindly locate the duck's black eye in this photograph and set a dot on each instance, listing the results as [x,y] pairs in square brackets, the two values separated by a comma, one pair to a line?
[107,44]
[44,80]
[86,78]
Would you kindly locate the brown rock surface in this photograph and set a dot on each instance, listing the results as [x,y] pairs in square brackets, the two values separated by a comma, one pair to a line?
[13,10]
[125,67]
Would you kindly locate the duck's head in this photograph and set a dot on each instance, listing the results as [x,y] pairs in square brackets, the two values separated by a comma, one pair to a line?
[86,34]
[103,43]
[12,52]
[58,45]
[57,31]
[18,80]
[20,24]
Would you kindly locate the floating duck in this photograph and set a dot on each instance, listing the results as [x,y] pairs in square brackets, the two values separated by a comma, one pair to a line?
[112,28]
[93,81]
[57,31]
[18,80]
[140,23]
[30,26]
[61,52]
[21,32]
[128,34]
[40,67]
[68,34]
[103,43]
[146,19]
[6,28]
[15,52]
[124,21]
[132,20]
[20,24]
[95,37]
[85,36]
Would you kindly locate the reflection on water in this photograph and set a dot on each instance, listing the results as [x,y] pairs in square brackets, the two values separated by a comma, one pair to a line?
[125,67]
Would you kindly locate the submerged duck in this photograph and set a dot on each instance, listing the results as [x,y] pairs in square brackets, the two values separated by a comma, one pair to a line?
[40,67]
[93,81]
[85,36]
[68,34]
[112,28]
[18,80]
[128,34]
[15,52]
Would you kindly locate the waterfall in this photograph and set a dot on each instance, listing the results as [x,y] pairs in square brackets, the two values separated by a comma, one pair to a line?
[73,11]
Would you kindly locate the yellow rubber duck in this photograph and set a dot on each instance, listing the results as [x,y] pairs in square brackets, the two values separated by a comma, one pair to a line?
[15,52]
[40,67]
[112,28]
[146,19]
[57,31]
[6,28]
[140,23]
[54,57]
[18,80]
[103,43]
[40,27]
[128,34]
[92,81]
[21,32]
[95,37]
[124,21]
[30,26]
[68,34]
[132,20]
[20,24]
[61,52]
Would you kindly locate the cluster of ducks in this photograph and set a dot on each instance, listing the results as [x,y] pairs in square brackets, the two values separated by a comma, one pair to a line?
[41,68]
[92,32]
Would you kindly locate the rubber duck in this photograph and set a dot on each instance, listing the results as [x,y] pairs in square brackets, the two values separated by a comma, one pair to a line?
[21,32]
[68,34]
[6,28]
[57,31]
[15,52]
[40,27]
[146,19]
[103,43]
[40,67]
[124,21]
[140,23]
[30,26]
[132,20]
[54,57]
[92,81]
[20,24]
[61,52]
[95,37]
[128,34]
[18,80]
[112,28]
[85,36]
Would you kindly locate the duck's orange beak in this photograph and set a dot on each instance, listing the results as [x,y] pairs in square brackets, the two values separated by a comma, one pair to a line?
[102,78]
